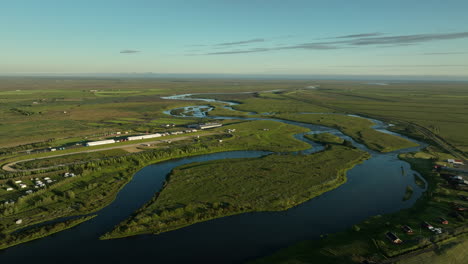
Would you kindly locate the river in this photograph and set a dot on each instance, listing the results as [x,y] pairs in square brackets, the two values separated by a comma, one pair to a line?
[374,187]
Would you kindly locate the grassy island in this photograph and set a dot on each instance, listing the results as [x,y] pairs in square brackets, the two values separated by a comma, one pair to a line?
[326,138]
[208,190]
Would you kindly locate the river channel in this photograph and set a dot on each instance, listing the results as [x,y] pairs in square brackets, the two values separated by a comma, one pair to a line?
[374,187]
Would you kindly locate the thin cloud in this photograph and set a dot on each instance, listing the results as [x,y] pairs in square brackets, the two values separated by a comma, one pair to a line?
[241,42]
[309,46]
[238,51]
[347,42]
[407,39]
[256,50]
[128,51]
[363,35]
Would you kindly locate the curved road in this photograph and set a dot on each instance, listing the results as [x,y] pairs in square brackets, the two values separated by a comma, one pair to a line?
[8,166]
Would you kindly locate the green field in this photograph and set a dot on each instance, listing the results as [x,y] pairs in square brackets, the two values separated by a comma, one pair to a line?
[100,180]
[82,157]
[325,138]
[203,191]
[357,128]
[38,113]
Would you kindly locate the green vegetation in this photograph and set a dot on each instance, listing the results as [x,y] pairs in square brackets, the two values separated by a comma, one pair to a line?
[98,181]
[451,252]
[203,191]
[369,241]
[419,182]
[359,129]
[52,109]
[419,109]
[408,193]
[278,106]
[81,157]
[325,138]
[48,112]
[263,135]
[7,240]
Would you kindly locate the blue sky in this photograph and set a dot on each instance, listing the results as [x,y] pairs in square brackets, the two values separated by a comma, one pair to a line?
[359,37]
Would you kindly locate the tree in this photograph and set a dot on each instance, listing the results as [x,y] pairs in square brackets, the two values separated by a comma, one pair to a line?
[70,194]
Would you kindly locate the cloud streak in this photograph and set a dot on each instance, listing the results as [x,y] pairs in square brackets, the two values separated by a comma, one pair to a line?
[346,42]
[243,42]
[363,35]
[128,51]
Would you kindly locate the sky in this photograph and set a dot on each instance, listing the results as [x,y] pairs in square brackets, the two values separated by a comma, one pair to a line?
[348,37]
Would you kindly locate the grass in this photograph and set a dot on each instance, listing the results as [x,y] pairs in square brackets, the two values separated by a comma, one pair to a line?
[68,107]
[100,180]
[7,241]
[452,252]
[359,129]
[264,135]
[325,138]
[203,191]
[408,193]
[81,157]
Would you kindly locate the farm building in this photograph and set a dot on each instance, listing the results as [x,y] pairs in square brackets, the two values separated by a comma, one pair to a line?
[394,238]
[102,142]
[144,136]
[456,162]
[205,125]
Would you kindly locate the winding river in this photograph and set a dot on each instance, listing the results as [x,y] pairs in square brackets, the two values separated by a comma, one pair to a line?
[374,187]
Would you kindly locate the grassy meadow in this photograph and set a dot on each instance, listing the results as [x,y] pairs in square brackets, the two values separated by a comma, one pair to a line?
[325,138]
[202,191]
[49,109]
[359,129]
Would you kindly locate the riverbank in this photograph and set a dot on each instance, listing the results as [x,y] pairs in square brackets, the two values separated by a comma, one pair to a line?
[367,241]
[204,191]
[40,232]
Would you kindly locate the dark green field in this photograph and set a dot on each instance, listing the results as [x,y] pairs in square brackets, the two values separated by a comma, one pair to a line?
[203,191]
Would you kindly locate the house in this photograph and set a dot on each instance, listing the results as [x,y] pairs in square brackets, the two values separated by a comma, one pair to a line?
[394,238]
[19,221]
[407,229]
[443,221]
[427,225]
[9,189]
[455,161]
[18,182]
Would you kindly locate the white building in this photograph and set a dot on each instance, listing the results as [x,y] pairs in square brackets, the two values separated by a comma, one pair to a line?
[205,125]
[144,136]
[102,142]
